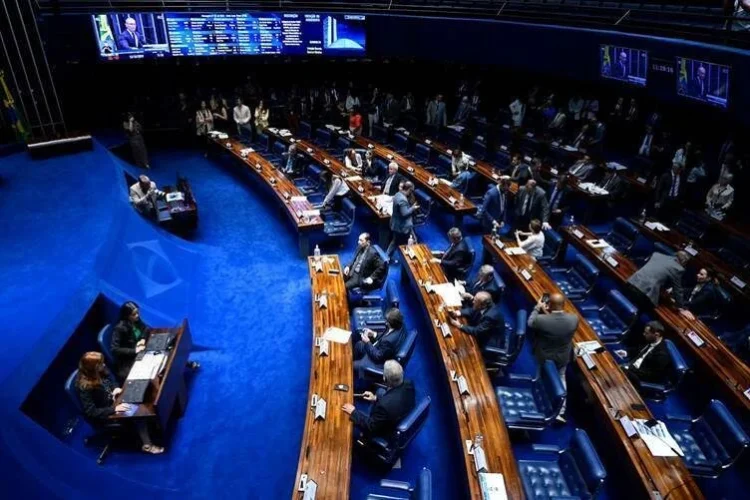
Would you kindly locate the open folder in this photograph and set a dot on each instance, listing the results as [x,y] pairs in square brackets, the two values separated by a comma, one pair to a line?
[338,335]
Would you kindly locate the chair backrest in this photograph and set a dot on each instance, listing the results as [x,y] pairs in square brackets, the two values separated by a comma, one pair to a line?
[424,485]
[500,284]
[323,136]
[406,349]
[314,171]
[679,366]
[349,210]
[465,270]
[662,248]
[548,390]
[425,206]
[625,229]
[70,390]
[343,143]
[104,338]
[400,142]
[587,462]
[622,307]
[727,430]
[305,129]
[379,132]
[381,166]
[410,425]
[479,148]
[262,140]
[391,295]
[422,153]
[278,148]
[552,243]
[691,225]
[444,164]
[588,271]
[384,257]
[514,338]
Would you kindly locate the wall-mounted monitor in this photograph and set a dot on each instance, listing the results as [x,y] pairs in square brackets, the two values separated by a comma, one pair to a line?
[703,81]
[624,64]
[131,36]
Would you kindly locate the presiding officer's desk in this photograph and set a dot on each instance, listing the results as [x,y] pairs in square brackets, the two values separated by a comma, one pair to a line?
[444,193]
[295,204]
[713,356]
[169,388]
[704,258]
[362,189]
[326,451]
[477,412]
[610,390]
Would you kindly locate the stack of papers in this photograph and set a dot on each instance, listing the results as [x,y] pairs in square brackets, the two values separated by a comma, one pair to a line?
[354,178]
[616,166]
[299,198]
[656,226]
[514,251]
[332,127]
[148,367]
[457,128]
[658,439]
[384,202]
[284,133]
[274,130]
[336,334]
[597,243]
[587,347]
[247,151]
[570,148]
[449,293]
[592,188]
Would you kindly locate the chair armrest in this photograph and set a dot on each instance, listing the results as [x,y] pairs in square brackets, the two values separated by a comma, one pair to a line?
[372,299]
[494,351]
[559,270]
[375,322]
[546,448]
[590,308]
[537,417]
[680,418]
[395,485]
[378,443]
[520,377]
[650,386]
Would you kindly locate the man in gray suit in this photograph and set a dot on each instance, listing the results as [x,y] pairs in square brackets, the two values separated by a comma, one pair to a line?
[663,271]
[582,169]
[401,219]
[531,203]
[553,331]
[436,115]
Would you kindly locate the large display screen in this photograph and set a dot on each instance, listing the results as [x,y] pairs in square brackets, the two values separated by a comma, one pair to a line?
[625,64]
[129,36]
[703,81]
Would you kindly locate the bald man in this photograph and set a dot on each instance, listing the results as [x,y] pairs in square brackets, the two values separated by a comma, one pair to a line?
[143,195]
[131,39]
[484,320]
[552,339]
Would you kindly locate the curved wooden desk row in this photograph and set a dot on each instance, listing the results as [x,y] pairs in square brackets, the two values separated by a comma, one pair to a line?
[723,271]
[477,412]
[326,450]
[609,388]
[295,203]
[362,189]
[718,361]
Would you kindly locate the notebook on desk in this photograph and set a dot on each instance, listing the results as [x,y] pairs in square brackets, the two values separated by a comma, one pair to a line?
[134,391]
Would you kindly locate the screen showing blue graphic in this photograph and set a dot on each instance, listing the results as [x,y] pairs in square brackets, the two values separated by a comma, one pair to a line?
[131,36]
[192,34]
[703,81]
[624,64]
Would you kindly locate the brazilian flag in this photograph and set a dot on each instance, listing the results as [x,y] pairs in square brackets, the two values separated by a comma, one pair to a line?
[683,80]
[606,61]
[9,110]
[106,39]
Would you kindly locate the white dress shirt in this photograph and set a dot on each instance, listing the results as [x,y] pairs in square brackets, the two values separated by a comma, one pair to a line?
[242,114]
[338,188]
[534,245]
[639,360]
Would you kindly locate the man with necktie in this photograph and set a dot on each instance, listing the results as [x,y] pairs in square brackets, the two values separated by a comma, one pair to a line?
[457,259]
[582,168]
[484,281]
[698,86]
[644,149]
[367,270]
[531,203]
[130,39]
[390,186]
[669,192]
[494,204]
[649,363]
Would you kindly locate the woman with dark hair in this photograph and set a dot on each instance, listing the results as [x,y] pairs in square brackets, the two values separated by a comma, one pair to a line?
[128,338]
[134,131]
[98,393]
[337,191]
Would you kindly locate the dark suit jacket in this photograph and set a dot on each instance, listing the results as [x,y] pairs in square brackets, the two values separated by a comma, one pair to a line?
[582,171]
[538,205]
[385,345]
[123,345]
[126,41]
[393,188]
[695,89]
[660,272]
[97,401]
[655,366]
[553,336]
[523,173]
[620,70]
[704,301]
[665,184]
[387,411]
[492,207]
[473,287]
[486,328]
[612,183]
[456,261]
[372,267]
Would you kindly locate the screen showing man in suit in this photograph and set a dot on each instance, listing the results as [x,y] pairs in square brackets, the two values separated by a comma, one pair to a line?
[624,64]
[131,36]
[703,81]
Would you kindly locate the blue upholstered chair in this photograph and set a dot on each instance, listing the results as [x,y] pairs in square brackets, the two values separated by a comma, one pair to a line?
[735,252]
[622,236]
[338,224]
[357,294]
[400,144]
[662,248]
[504,355]
[552,247]
[338,148]
[724,301]
[304,130]
[677,370]
[422,154]
[104,338]
[425,207]
[443,166]
[422,490]
[373,372]
[572,473]
[463,272]
[261,143]
[386,451]
[323,138]
[532,403]
[578,281]
[103,434]
[372,313]
[479,148]
[379,133]
[311,184]
[277,156]
[711,442]
[692,225]
[614,319]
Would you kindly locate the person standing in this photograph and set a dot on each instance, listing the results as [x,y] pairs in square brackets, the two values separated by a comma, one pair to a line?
[436,115]
[204,120]
[663,272]
[553,331]
[401,223]
[261,117]
[134,132]
[242,117]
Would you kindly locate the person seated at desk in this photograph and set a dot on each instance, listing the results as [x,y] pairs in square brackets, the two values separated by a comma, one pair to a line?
[494,205]
[389,408]
[97,392]
[366,269]
[129,337]
[521,171]
[459,162]
[368,166]
[143,195]
[484,320]
[720,198]
[483,282]
[378,348]
[663,271]
[461,182]
[337,190]
[457,259]
[353,160]
[649,363]
[582,169]
[612,183]
[533,242]
[292,160]
[702,299]
[392,181]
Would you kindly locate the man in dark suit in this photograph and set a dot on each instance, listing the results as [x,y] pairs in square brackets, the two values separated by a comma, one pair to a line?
[531,203]
[649,363]
[494,205]
[457,260]
[553,331]
[663,272]
[520,170]
[130,39]
[698,85]
[378,348]
[483,282]
[367,269]
[389,407]
[484,320]
[392,180]
[558,200]
[582,169]
[401,220]
[669,193]
[703,297]
[621,68]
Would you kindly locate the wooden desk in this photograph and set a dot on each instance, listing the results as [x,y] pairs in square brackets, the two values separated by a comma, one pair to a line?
[326,449]
[362,190]
[718,362]
[420,176]
[608,387]
[704,258]
[477,412]
[282,187]
[170,387]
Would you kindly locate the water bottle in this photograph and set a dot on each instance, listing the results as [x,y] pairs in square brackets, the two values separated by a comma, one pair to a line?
[411,240]
[316,252]
[572,220]
[643,216]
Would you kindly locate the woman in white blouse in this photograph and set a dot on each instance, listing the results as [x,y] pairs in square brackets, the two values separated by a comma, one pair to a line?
[353,160]
[533,242]
[336,193]
[261,117]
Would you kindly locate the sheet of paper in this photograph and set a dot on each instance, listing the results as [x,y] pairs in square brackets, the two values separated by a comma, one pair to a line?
[588,347]
[596,243]
[299,198]
[448,293]
[461,289]
[492,485]
[354,178]
[658,439]
[338,335]
[616,166]
[514,251]
[445,181]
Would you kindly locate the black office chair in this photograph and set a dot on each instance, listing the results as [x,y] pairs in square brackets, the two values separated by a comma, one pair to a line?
[421,491]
